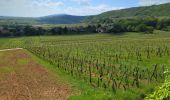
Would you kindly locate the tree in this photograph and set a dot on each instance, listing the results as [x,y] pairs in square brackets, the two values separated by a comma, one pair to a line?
[116,28]
[91,28]
[151,21]
[65,30]
[30,31]
[144,28]
[41,31]
[162,23]
[56,31]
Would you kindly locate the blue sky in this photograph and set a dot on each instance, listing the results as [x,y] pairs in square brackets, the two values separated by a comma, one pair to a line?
[36,8]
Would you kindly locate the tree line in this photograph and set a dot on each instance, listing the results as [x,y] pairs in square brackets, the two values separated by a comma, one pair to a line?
[145,25]
[28,30]
[118,26]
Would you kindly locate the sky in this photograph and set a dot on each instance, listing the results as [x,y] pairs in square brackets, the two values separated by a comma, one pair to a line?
[37,8]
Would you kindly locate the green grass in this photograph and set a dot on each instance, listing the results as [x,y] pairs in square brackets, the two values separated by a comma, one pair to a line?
[3,42]
[22,61]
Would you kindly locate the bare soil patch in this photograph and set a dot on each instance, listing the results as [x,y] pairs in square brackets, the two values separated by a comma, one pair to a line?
[21,78]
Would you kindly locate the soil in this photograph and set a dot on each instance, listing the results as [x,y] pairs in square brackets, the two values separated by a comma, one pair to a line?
[21,78]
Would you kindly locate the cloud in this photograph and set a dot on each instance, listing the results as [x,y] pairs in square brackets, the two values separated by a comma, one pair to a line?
[151,2]
[29,8]
[47,3]
[91,10]
[82,2]
[36,8]
[30,3]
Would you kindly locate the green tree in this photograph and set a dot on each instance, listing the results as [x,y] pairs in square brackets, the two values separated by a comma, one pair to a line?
[144,28]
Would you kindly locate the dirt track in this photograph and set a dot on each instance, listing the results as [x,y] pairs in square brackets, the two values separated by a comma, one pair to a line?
[21,78]
[11,49]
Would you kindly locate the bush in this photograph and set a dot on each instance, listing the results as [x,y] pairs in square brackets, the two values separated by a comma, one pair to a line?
[144,28]
[163,92]
[166,28]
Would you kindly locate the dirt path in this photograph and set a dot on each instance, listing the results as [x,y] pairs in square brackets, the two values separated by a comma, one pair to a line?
[11,49]
[21,78]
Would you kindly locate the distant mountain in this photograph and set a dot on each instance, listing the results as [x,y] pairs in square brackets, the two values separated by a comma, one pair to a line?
[162,10]
[51,19]
[62,19]
[18,20]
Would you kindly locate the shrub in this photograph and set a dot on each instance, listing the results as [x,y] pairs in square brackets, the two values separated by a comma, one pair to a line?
[163,92]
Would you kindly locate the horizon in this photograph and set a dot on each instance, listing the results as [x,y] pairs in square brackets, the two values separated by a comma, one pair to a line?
[40,8]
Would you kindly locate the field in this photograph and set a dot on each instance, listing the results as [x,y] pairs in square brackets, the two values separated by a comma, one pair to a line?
[127,66]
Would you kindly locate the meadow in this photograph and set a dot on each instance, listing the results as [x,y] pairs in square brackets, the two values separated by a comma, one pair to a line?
[127,66]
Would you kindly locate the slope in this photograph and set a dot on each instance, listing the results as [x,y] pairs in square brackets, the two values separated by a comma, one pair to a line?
[62,19]
[162,10]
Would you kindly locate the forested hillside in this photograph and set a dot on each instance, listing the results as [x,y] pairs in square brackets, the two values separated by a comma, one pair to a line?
[162,10]
[51,19]
[61,19]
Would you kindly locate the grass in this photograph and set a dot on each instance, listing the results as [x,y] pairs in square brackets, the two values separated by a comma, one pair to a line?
[22,61]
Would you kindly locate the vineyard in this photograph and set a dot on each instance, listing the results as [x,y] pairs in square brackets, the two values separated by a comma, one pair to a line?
[112,63]
[85,50]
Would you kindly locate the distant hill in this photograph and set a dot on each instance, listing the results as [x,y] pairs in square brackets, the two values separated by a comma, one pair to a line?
[62,19]
[162,10]
[18,20]
[51,19]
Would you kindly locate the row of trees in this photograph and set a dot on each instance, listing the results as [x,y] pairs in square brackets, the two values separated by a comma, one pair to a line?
[146,25]
[18,30]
